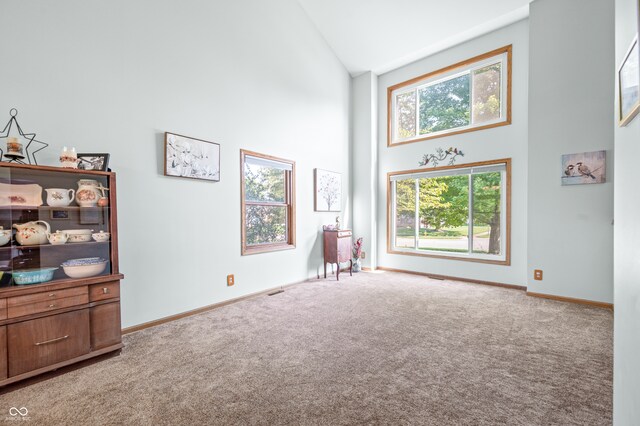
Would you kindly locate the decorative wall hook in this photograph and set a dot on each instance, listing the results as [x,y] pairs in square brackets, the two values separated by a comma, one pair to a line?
[14,148]
[441,155]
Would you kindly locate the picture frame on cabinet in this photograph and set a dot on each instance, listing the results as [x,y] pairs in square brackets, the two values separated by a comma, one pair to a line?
[327,191]
[191,158]
[98,162]
[629,84]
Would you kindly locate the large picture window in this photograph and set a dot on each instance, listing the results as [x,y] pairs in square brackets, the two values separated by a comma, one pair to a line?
[471,95]
[268,203]
[459,212]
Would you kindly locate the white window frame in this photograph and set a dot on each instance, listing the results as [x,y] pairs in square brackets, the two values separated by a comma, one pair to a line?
[502,56]
[503,165]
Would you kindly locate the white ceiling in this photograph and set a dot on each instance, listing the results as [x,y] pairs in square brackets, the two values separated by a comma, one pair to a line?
[381,35]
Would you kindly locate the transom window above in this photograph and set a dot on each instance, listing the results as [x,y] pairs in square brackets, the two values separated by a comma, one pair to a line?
[471,95]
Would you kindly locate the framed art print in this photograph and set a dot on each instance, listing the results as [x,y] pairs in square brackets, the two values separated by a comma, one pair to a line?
[191,158]
[584,168]
[629,85]
[328,191]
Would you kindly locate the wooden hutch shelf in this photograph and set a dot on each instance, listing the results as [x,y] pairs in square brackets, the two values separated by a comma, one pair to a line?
[56,323]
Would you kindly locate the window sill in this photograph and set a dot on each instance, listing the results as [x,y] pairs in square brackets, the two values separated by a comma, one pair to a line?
[450,133]
[265,248]
[464,258]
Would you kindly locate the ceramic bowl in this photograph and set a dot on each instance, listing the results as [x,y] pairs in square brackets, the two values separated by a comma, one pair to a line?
[78,235]
[101,236]
[5,236]
[79,238]
[84,268]
[33,276]
[83,261]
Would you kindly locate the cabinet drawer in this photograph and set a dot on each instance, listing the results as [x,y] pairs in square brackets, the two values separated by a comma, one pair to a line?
[47,305]
[105,325]
[46,296]
[41,342]
[3,309]
[104,291]
[342,234]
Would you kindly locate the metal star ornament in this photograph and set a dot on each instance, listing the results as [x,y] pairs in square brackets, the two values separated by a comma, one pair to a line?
[30,137]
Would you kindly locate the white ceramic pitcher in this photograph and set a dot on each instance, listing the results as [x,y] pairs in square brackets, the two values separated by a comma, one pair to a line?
[58,197]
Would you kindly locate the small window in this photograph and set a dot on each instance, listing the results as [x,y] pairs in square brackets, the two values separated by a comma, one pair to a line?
[471,95]
[459,212]
[268,203]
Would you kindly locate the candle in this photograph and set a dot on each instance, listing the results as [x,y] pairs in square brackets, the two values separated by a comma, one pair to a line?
[14,147]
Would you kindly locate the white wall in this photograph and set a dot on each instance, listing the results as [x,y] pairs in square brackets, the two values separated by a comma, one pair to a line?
[501,142]
[570,234]
[112,76]
[364,162]
[626,341]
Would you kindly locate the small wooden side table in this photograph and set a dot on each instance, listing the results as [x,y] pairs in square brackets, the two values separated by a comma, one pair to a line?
[337,248]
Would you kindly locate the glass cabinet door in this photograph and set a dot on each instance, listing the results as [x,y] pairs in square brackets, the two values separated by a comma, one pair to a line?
[55,225]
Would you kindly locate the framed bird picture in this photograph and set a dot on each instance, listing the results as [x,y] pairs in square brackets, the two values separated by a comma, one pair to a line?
[584,168]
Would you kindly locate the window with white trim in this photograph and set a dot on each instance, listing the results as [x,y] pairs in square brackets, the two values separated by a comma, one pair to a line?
[454,211]
[471,95]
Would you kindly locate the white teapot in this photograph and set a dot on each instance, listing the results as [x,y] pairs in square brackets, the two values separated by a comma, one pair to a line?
[32,233]
[57,237]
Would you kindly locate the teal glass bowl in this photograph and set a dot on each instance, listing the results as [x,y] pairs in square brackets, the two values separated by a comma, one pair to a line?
[33,276]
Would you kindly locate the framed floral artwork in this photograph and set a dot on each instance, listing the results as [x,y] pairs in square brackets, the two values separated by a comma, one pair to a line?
[328,191]
[191,158]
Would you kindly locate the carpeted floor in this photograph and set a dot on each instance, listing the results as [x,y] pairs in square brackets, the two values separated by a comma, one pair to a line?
[377,348]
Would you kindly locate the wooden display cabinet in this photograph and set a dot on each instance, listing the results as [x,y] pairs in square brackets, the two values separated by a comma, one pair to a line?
[65,320]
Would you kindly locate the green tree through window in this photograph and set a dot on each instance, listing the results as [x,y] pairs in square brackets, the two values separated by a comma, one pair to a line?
[445,222]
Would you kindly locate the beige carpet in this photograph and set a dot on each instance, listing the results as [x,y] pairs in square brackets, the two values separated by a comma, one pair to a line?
[377,348]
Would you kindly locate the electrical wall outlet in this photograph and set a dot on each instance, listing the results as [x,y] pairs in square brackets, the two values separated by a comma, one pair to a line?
[537,275]
[363,255]
[230,280]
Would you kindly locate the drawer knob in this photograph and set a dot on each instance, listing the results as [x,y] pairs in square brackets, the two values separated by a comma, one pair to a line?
[105,290]
[52,305]
[52,340]
[51,294]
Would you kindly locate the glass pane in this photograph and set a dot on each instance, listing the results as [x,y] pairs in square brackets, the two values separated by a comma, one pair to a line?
[73,208]
[486,212]
[406,115]
[445,105]
[264,183]
[405,213]
[486,93]
[444,214]
[266,224]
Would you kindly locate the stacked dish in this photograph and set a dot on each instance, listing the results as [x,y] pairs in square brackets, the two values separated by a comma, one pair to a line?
[78,235]
[85,267]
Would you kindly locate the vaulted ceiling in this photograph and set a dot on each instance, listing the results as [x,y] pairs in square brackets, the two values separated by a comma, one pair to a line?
[380,35]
